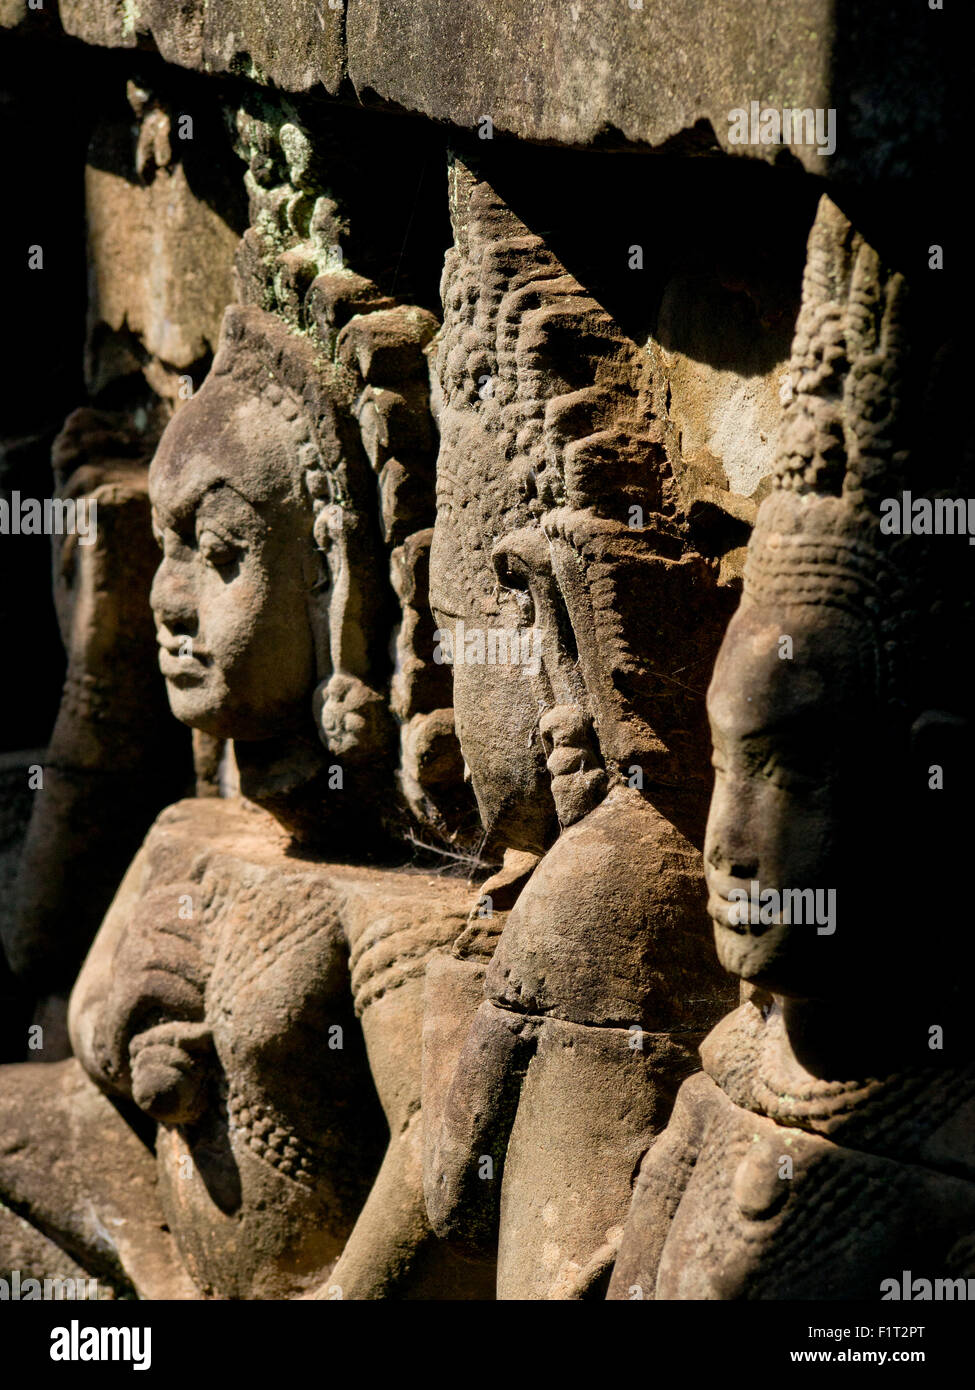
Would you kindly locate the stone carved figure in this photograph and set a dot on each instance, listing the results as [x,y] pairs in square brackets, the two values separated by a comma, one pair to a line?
[827,1147]
[595,983]
[298,1059]
[257,1000]
[114,758]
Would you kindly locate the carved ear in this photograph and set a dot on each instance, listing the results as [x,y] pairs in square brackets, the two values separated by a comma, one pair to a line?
[523,564]
[352,718]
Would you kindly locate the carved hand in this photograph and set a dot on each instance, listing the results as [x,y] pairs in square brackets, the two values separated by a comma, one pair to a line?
[157,991]
[169,1071]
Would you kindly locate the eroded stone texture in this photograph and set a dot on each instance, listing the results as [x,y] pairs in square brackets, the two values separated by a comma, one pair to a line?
[79,1175]
[114,756]
[258,1003]
[549,451]
[36,1257]
[643,72]
[290,44]
[280,982]
[164,212]
[405,1003]
[293,256]
[829,1144]
[601,73]
[160,243]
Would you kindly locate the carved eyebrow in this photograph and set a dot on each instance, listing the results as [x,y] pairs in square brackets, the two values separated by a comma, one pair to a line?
[439,596]
[792,729]
[179,514]
[183,517]
[222,485]
[801,703]
[165,520]
[775,728]
[445,609]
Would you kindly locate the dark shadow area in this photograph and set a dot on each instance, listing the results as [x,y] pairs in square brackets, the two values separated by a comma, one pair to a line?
[44,113]
[734,227]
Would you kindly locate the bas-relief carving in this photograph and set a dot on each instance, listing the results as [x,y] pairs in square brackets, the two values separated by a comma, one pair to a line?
[827,1144]
[304,1070]
[240,993]
[257,1000]
[156,207]
[114,755]
[601,980]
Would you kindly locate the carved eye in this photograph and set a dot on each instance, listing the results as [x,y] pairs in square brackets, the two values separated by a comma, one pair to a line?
[792,774]
[217,550]
[513,572]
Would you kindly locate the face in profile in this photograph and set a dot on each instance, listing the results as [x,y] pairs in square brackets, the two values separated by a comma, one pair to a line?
[496,709]
[231,595]
[798,799]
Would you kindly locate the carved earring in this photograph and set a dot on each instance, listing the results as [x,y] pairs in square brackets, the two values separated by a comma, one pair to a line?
[579,780]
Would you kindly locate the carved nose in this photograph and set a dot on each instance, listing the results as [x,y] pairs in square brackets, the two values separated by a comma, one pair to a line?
[171,599]
[741,868]
[727,847]
[733,863]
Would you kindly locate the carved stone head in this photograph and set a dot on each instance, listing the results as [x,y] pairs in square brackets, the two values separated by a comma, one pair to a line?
[236,592]
[269,599]
[835,699]
[558,515]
